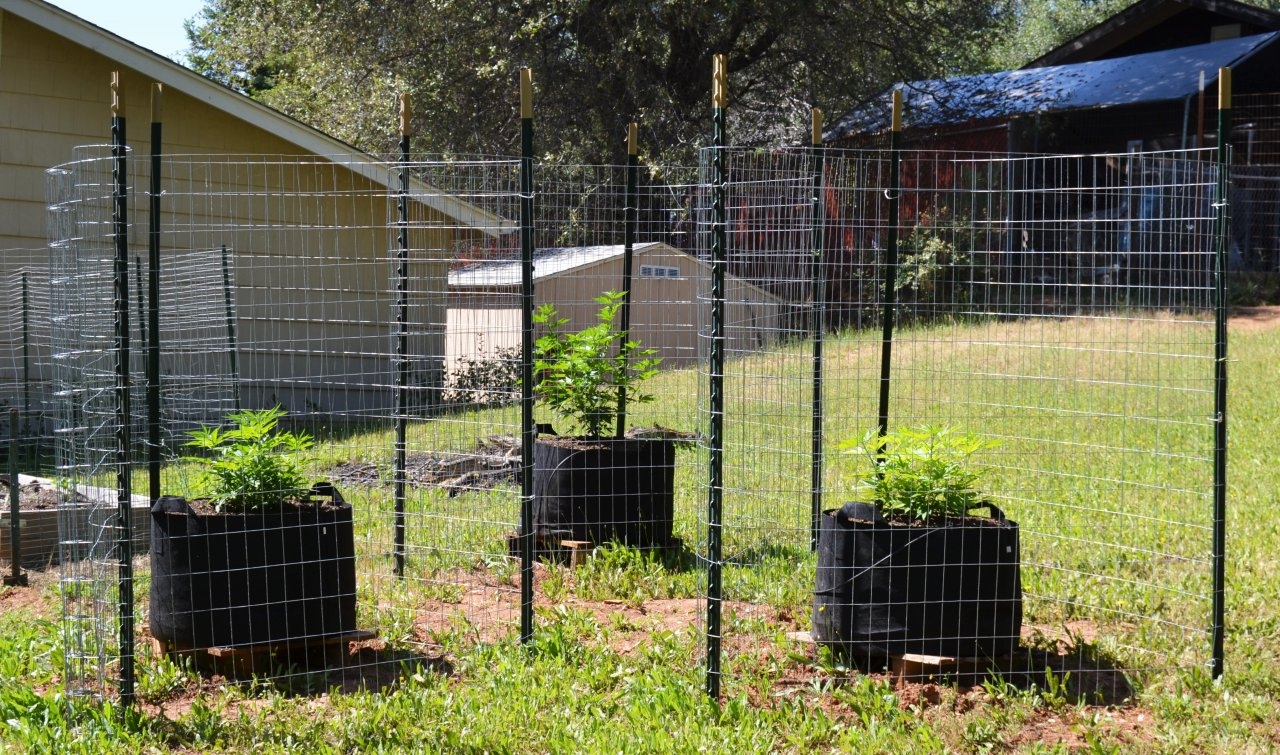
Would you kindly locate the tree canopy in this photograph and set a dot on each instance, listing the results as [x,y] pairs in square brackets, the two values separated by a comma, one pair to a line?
[598,64]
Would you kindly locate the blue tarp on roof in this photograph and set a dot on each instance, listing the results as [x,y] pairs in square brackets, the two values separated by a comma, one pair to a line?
[1150,77]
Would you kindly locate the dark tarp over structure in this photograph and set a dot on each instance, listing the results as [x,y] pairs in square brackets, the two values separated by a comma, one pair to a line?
[1164,76]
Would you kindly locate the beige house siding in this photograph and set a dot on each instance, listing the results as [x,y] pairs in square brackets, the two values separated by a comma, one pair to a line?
[308,236]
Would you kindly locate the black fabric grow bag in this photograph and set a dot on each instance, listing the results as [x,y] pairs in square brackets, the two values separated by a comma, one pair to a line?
[245,579]
[603,490]
[952,589]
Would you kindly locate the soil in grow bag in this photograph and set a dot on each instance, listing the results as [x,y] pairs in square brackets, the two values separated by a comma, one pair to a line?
[950,588]
[221,580]
[603,490]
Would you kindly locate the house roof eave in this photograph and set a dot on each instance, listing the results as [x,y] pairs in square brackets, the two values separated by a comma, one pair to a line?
[1144,15]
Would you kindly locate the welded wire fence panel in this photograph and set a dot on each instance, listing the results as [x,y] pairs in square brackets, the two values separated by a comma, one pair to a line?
[1255,179]
[615,463]
[451,577]
[768,295]
[81,252]
[25,372]
[374,312]
[281,288]
[1060,307]
[1089,363]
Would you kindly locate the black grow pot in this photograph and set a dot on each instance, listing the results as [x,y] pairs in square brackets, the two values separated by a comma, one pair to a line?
[222,580]
[950,588]
[618,490]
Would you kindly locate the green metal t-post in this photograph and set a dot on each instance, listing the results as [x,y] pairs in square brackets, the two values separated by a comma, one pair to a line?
[528,433]
[16,577]
[719,261]
[817,326]
[891,263]
[152,336]
[229,314]
[124,485]
[1221,229]
[629,217]
[402,342]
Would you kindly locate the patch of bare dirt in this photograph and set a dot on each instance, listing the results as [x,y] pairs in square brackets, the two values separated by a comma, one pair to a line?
[494,460]
[1254,318]
[1128,728]
[35,599]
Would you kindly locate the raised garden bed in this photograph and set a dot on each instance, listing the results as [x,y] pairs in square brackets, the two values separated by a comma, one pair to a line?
[38,501]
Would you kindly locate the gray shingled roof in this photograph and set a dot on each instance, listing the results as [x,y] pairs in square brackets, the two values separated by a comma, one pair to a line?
[546,263]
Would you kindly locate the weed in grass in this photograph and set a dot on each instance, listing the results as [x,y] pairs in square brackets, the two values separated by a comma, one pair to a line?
[555,583]
[632,575]
[982,735]
[619,622]
[160,678]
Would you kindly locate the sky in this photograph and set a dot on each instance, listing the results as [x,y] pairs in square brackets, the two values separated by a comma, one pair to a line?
[154,24]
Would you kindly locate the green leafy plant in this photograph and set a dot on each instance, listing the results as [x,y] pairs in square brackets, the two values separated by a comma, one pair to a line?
[252,465]
[484,379]
[579,375]
[919,473]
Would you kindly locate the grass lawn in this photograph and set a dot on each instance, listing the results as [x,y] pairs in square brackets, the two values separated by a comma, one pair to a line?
[1114,569]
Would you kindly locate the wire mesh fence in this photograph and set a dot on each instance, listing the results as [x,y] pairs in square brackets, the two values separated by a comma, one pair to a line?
[1255,175]
[26,401]
[1061,307]
[399,320]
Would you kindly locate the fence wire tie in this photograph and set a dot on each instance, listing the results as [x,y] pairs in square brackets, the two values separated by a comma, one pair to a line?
[891,194]
[1223,203]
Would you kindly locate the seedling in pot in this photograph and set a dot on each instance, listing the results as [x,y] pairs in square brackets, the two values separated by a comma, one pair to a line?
[919,474]
[252,466]
[579,375]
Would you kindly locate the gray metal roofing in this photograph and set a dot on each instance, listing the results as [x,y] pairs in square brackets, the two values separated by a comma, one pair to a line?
[1150,77]
[546,263]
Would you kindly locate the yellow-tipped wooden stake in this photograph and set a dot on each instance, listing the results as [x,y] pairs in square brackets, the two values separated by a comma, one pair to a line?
[1224,88]
[817,127]
[720,81]
[633,141]
[157,103]
[897,111]
[117,96]
[404,114]
[526,92]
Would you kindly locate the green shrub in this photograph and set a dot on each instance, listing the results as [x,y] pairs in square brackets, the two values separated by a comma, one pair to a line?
[485,379]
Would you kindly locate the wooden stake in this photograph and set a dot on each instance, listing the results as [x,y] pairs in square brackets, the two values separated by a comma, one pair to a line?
[404,114]
[816,115]
[897,111]
[157,103]
[719,81]
[117,95]
[526,92]
[633,145]
[1224,88]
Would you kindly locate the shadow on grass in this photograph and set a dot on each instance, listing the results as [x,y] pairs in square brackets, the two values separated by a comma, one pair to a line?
[1079,675]
[381,669]
[365,664]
